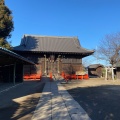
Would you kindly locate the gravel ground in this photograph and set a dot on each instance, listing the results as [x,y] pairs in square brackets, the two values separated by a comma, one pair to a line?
[99,98]
[19,103]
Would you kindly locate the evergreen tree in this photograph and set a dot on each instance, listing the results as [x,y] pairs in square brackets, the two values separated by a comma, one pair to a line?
[6,25]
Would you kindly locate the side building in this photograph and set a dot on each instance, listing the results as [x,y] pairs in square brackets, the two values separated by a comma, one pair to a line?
[11,66]
[95,70]
[52,54]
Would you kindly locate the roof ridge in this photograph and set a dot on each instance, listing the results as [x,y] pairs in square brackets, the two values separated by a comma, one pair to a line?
[50,36]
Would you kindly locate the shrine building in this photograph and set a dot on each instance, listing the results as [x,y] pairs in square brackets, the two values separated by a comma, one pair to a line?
[52,54]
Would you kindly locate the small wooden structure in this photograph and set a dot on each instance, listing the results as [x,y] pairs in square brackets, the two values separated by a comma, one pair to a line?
[95,70]
[11,66]
[117,66]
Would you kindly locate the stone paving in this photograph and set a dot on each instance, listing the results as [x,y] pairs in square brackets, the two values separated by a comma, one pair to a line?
[57,104]
[6,86]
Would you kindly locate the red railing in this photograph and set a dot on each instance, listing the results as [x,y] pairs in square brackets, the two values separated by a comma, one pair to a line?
[32,76]
[51,76]
[74,76]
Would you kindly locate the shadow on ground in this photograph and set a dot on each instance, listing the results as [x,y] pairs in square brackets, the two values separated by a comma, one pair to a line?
[100,102]
[19,103]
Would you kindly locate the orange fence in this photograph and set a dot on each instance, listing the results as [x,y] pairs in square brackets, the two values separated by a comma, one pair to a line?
[32,76]
[50,75]
[74,76]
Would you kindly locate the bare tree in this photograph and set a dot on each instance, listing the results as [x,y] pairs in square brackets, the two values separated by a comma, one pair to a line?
[109,48]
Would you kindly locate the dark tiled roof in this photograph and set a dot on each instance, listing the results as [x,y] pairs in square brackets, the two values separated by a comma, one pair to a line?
[7,52]
[95,66]
[51,44]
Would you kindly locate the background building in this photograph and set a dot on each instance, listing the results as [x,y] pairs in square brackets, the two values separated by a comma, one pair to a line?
[95,70]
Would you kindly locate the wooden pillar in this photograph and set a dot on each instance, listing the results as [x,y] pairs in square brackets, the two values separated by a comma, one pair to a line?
[106,69]
[59,64]
[14,74]
[113,73]
[23,73]
[9,73]
[45,64]
[51,67]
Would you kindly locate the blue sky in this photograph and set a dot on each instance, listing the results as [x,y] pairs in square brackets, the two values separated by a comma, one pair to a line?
[89,20]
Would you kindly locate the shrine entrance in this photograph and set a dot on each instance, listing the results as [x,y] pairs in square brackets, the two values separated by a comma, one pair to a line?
[109,73]
[52,65]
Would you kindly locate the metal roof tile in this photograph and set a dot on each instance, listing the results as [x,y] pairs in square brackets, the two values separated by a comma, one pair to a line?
[51,44]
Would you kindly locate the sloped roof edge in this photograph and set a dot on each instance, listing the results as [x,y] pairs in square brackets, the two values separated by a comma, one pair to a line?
[13,54]
[95,66]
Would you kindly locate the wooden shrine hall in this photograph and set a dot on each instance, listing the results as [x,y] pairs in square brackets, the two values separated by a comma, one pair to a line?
[52,54]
